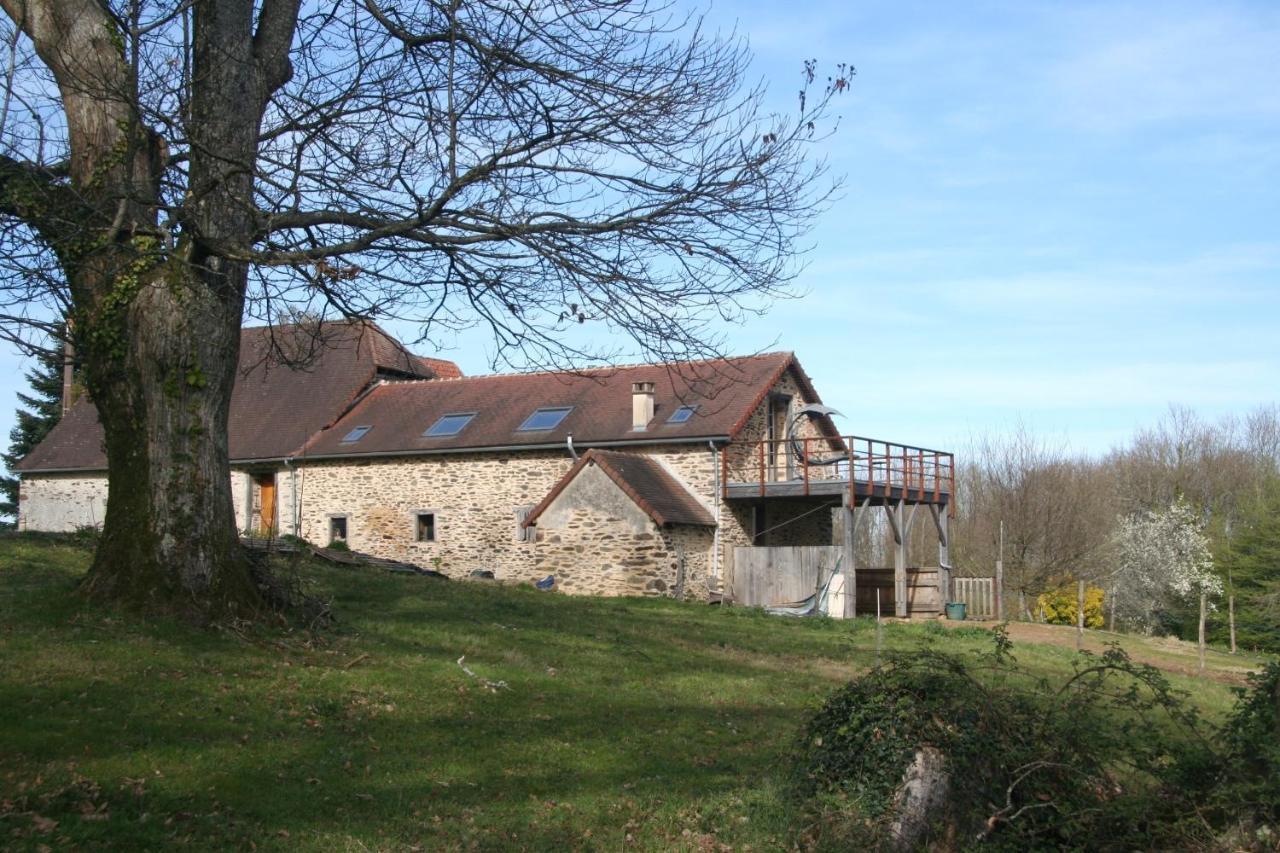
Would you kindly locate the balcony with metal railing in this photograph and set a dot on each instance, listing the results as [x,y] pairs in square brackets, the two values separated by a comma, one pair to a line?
[820,468]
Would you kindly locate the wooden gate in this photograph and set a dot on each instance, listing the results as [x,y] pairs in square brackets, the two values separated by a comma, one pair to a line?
[766,577]
[979,596]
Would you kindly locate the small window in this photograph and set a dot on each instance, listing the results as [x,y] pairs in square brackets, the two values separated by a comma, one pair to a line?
[544,419]
[449,425]
[524,534]
[337,529]
[682,414]
[356,434]
[425,528]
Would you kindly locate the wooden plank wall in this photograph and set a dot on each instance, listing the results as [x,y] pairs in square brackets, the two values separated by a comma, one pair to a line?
[765,577]
[922,592]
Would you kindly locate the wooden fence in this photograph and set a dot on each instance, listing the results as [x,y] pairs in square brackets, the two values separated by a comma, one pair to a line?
[979,596]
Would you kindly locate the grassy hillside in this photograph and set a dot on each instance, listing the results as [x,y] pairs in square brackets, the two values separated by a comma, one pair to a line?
[643,723]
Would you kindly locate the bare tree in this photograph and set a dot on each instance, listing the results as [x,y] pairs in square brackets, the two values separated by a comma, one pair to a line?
[1057,511]
[169,168]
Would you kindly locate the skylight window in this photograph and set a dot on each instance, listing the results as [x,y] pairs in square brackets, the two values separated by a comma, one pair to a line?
[544,419]
[682,414]
[355,434]
[449,425]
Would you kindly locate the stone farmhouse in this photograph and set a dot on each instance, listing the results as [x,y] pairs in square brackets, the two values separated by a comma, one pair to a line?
[625,480]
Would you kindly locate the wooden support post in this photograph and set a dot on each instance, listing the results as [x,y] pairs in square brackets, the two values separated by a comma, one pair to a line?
[850,568]
[940,521]
[1079,615]
[897,516]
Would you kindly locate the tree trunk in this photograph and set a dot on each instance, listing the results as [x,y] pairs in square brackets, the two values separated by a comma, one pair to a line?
[1079,615]
[169,541]
[1231,621]
[1204,607]
[157,318]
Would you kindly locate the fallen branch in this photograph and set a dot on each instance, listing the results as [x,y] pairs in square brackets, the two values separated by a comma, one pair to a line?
[492,686]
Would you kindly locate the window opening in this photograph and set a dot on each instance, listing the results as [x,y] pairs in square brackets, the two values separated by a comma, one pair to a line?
[355,434]
[545,419]
[524,534]
[682,414]
[449,425]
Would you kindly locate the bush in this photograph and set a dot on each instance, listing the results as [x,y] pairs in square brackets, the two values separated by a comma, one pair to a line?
[1100,761]
[1059,606]
[1248,784]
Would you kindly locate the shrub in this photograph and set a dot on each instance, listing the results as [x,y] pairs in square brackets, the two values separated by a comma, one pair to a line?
[1099,761]
[1059,606]
[1248,785]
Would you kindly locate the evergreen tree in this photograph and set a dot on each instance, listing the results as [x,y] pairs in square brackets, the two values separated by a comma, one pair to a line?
[38,412]
[1254,562]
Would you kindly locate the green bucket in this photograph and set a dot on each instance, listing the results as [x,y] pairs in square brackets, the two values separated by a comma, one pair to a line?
[955,611]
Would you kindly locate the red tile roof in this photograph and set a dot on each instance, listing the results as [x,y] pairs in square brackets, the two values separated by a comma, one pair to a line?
[644,480]
[294,397]
[725,391]
[293,381]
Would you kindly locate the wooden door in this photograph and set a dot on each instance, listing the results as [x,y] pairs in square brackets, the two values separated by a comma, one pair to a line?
[266,502]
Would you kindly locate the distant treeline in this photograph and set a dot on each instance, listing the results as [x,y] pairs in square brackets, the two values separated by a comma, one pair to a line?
[1130,522]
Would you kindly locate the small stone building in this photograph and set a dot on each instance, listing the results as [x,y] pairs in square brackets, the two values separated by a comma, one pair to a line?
[608,479]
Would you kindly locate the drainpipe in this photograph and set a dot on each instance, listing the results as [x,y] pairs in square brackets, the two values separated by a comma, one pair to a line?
[568,442]
[715,543]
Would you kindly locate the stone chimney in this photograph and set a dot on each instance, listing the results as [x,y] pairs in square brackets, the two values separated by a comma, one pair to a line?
[641,405]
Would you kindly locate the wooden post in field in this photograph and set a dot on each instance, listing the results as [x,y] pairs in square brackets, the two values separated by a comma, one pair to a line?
[1204,606]
[879,636]
[999,608]
[1000,577]
[1079,615]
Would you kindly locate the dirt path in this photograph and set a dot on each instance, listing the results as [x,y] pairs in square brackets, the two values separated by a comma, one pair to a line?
[1167,653]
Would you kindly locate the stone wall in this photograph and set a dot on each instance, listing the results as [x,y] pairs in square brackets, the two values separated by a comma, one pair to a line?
[594,539]
[475,498]
[61,503]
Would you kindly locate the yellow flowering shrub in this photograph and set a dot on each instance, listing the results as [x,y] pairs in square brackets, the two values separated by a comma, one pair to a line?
[1059,606]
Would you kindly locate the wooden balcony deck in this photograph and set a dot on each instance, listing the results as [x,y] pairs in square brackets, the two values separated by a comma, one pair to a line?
[852,468]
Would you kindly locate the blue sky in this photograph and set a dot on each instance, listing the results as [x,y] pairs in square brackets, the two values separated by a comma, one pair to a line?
[1062,215]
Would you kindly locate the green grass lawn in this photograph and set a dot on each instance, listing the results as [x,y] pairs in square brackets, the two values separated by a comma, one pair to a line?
[649,724]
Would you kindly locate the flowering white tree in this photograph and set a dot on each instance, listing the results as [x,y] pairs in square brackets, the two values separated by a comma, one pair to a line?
[1161,558]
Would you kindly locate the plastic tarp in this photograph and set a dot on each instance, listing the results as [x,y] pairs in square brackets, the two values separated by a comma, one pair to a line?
[814,605]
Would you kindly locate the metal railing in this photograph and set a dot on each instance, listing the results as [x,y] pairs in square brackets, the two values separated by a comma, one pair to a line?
[868,465]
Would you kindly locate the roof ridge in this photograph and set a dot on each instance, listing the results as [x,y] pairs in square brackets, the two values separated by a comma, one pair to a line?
[612,368]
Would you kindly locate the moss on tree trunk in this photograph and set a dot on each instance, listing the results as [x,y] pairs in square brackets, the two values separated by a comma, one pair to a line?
[160,365]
